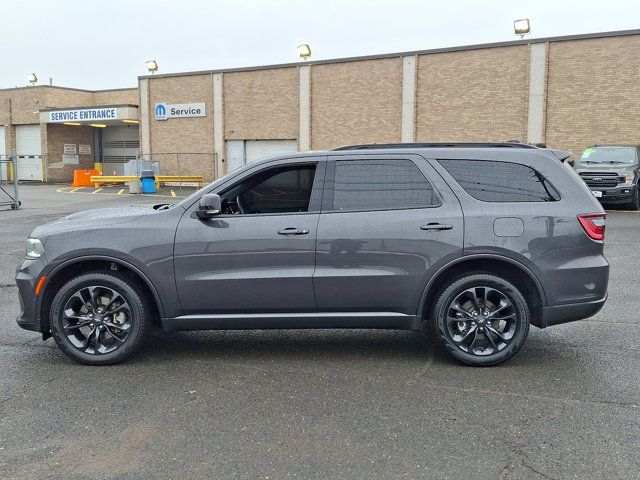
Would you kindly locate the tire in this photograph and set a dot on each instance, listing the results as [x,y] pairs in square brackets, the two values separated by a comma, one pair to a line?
[635,203]
[508,317]
[86,312]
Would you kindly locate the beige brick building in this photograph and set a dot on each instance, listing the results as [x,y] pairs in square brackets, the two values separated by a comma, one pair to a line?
[567,92]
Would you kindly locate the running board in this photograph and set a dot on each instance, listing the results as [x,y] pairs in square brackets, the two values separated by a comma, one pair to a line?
[260,321]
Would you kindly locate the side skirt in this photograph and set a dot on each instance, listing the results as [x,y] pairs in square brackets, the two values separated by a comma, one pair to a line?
[260,321]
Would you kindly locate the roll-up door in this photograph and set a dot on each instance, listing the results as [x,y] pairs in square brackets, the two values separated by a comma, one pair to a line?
[3,166]
[119,145]
[29,151]
[257,149]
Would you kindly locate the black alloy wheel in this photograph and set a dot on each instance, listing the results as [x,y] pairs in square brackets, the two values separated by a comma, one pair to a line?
[96,320]
[481,319]
[100,318]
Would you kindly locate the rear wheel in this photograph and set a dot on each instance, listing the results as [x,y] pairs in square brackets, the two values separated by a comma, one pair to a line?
[481,319]
[99,318]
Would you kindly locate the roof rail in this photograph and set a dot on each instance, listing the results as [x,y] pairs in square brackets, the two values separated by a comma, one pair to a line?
[374,146]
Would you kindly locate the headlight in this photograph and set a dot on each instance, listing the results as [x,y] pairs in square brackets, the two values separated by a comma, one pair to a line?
[628,179]
[34,248]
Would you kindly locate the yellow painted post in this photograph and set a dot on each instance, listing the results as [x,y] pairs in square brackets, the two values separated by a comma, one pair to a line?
[98,167]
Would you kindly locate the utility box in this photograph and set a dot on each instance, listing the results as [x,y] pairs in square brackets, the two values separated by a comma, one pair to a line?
[134,186]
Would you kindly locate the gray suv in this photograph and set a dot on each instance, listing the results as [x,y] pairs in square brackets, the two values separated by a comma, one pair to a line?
[474,242]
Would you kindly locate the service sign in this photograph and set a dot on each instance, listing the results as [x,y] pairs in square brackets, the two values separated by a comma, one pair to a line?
[83,115]
[164,111]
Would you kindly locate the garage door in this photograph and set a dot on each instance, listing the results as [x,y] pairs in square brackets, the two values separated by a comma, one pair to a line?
[28,148]
[119,145]
[257,149]
[3,166]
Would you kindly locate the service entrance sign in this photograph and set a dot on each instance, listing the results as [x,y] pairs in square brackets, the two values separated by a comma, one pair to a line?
[83,115]
[164,111]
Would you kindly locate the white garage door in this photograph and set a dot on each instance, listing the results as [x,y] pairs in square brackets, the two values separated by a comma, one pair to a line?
[28,148]
[3,166]
[257,149]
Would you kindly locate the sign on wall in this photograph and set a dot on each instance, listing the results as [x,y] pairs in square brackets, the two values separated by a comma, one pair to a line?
[83,114]
[71,159]
[84,149]
[69,149]
[164,111]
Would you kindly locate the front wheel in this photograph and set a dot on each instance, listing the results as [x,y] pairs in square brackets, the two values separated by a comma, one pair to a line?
[635,203]
[481,319]
[99,318]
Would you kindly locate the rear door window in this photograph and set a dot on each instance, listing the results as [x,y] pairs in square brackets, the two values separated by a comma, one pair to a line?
[500,181]
[380,184]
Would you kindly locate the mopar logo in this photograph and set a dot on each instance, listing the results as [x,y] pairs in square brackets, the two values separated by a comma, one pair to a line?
[161,111]
[597,179]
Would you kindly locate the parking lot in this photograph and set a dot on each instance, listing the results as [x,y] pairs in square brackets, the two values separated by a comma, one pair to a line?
[320,404]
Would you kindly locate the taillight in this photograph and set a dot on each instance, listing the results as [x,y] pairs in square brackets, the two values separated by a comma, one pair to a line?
[593,225]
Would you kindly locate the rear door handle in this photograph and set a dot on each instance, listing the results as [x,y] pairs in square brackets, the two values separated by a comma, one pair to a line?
[293,231]
[436,226]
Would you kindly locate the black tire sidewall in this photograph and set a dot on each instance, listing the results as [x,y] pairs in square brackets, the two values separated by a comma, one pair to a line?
[635,203]
[139,317]
[448,294]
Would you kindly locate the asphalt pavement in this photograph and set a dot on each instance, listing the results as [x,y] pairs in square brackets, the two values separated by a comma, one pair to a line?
[320,404]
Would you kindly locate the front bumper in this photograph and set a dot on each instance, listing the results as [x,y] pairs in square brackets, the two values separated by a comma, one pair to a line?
[27,275]
[557,314]
[622,194]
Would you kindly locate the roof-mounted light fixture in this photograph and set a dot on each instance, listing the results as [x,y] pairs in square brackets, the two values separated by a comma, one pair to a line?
[304,51]
[152,66]
[522,27]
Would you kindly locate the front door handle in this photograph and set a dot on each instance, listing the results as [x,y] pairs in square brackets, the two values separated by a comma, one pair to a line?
[293,231]
[430,227]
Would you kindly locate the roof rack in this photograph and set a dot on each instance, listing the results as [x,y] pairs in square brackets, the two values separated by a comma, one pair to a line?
[374,146]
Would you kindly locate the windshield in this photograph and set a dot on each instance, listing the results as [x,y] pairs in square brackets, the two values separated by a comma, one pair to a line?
[610,155]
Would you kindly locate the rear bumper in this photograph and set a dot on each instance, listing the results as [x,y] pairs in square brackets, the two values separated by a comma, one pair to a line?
[557,314]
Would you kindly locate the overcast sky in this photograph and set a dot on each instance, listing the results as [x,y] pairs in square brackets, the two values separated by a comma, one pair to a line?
[104,44]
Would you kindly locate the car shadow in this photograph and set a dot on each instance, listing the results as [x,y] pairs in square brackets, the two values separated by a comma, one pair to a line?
[308,344]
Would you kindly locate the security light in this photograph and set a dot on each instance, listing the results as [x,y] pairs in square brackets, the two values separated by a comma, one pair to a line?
[522,27]
[152,66]
[304,50]
[32,78]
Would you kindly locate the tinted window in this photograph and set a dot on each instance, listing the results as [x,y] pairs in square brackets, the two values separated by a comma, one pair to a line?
[380,185]
[500,181]
[276,190]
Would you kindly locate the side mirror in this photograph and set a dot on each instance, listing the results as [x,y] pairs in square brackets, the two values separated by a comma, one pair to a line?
[210,206]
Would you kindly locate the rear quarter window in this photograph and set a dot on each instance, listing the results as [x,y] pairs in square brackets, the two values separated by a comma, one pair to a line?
[490,181]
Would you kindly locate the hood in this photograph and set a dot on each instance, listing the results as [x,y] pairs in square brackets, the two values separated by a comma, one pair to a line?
[96,218]
[618,168]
